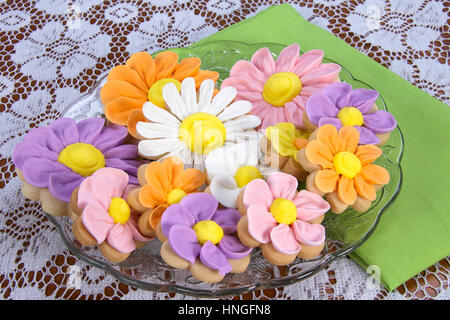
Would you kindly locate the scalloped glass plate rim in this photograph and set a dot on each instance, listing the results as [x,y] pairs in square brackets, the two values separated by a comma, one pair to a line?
[275,282]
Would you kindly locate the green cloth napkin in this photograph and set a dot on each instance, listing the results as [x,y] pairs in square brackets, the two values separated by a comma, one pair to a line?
[414,232]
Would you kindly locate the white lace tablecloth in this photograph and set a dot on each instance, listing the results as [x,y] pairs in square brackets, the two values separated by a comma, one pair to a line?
[51,51]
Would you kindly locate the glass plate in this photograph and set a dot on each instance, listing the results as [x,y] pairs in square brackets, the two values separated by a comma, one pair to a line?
[145,269]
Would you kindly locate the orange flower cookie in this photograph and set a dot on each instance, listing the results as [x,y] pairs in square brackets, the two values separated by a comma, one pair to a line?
[341,170]
[280,144]
[163,183]
[141,79]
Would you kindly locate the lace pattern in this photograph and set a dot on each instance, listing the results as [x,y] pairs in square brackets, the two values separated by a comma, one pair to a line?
[52,51]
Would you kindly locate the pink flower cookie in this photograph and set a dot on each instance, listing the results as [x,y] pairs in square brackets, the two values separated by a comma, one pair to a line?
[284,222]
[279,89]
[103,217]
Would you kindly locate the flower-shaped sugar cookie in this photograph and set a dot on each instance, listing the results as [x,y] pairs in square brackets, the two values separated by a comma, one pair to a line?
[192,127]
[280,144]
[279,89]
[163,183]
[52,161]
[231,168]
[341,169]
[340,105]
[202,238]
[284,222]
[141,79]
[103,217]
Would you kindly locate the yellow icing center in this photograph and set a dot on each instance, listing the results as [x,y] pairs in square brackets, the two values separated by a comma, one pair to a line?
[246,174]
[281,87]
[284,211]
[175,196]
[286,139]
[119,210]
[350,116]
[208,230]
[155,95]
[347,164]
[82,158]
[202,132]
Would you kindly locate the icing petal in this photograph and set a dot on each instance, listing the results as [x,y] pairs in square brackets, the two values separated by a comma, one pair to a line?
[242,123]
[260,223]
[129,166]
[366,136]
[37,171]
[293,114]
[125,151]
[46,138]
[89,129]
[338,94]
[66,130]
[120,237]
[144,65]
[273,116]
[348,138]
[188,67]
[364,189]
[326,72]
[328,135]
[232,248]
[126,74]
[174,101]
[150,196]
[247,70]
[244,87]
[25,150]
[135,233]
[310,205]
[184,243]
[368,153]
[363,99]
[159,147]
[165,63]
[319,153]
[201,206]
[227,219]
[309,234]
[156,114]
[375,174]
[189,180]
[225,190]
[111,136]
[319,106]
[202,75]
[260,109]
[176,215]
[159,174]
[333,121]
[287,58]
[263,60]
[326,180]
[119,110]
[97,221]
[308,62]
[380,122]
[346,190]
[257,193]
[114,89]
[282,185]
[221,104]
[236,109]
[283,239]
[212,257]
[62,185]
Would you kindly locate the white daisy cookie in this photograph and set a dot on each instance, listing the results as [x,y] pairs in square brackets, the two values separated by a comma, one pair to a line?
[231,168]
[194,123]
